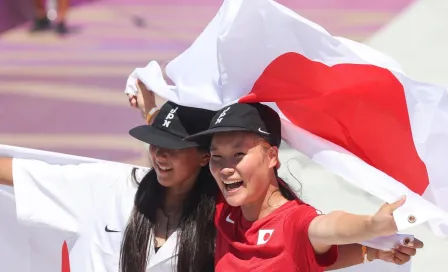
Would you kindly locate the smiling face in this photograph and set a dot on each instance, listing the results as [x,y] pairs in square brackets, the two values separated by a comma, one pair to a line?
[241,163]
[177,168]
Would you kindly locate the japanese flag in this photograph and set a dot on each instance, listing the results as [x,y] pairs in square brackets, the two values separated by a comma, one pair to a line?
[346,106]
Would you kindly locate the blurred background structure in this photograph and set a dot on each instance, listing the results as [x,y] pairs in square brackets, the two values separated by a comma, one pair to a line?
[65,93]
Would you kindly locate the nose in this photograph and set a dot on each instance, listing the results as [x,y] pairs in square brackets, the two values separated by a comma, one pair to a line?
[227,172]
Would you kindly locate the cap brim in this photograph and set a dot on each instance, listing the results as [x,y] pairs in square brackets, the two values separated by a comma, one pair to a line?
[157,137]
[204,138]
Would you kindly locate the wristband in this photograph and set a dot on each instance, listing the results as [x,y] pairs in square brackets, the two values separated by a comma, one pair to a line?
[151,114]
[364,254]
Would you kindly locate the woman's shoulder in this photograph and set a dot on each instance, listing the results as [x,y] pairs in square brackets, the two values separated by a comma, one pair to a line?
[299,213]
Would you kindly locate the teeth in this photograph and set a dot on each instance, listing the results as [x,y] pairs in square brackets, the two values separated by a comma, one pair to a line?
[164,168]
[230,181]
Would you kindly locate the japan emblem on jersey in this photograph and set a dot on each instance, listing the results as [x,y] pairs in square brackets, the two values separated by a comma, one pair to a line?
[264,235]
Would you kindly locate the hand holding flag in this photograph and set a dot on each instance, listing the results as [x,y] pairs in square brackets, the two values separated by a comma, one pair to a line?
[400,254]
[146,100]
[383,222]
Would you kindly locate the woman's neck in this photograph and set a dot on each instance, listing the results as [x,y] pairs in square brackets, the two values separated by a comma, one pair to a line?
[175,196]
[173,202]
[265,206]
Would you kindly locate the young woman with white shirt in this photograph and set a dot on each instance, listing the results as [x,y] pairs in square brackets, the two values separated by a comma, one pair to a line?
[175,202]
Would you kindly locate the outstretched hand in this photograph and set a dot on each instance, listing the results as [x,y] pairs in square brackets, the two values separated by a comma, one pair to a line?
[401,254]
[383,222]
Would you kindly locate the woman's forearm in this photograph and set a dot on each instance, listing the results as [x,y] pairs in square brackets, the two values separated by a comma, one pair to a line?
[6,171]
[340,228]
[348,255]
[352,254]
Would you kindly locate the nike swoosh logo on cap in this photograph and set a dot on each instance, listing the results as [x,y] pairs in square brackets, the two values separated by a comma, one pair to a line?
[262,131]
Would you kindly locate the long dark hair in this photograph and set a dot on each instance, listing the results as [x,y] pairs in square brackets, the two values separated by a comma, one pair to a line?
[196,238]
[285,190]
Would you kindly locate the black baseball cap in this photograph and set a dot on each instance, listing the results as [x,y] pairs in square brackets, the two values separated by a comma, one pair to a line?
[172,124]
[252,117]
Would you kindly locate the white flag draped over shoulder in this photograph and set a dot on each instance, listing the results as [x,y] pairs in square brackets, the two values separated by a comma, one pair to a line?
[34,225]
[26,248]
[348,107]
